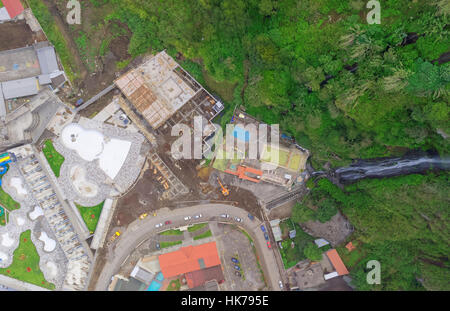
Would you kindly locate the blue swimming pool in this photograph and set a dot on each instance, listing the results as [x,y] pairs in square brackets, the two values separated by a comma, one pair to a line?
[160,277]
[154,286]
[241,134]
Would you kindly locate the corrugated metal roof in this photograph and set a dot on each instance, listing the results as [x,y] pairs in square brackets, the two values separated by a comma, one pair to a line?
[44,79]
[47,59]
[14,7]
[4,16]
[321,242]
[20,88]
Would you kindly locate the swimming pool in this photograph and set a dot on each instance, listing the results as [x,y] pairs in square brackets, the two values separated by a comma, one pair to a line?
[241,134]
[154,286]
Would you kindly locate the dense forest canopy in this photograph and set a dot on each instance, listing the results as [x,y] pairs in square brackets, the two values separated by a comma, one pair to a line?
[343,88]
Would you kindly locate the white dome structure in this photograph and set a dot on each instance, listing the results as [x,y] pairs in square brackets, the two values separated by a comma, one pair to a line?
[91,145]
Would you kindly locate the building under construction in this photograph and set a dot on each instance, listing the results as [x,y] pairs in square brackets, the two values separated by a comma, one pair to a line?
[164,94]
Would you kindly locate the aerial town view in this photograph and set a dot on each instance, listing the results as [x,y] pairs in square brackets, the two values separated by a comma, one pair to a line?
[224,145]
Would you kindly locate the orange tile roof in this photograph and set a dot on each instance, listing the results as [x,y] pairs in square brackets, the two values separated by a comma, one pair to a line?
[200,277]
[188,259]
[336,261]
[350,246]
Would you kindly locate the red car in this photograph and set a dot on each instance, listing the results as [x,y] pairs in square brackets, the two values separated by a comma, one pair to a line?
[268,244]
[168,222]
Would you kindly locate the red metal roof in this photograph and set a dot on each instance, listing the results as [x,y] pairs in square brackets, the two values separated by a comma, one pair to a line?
[190,258]
[336,261]
[14,7]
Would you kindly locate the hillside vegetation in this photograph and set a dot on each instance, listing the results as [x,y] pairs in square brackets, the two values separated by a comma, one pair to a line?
[283,51]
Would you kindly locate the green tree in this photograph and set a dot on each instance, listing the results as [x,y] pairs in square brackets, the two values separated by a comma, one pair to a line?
[312,252]
[302,213]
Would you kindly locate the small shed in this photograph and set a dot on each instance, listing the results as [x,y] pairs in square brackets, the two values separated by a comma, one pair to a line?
[275,224]
[321,242]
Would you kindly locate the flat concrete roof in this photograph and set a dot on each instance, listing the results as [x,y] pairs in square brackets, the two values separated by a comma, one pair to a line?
[19,64]
[47,59]
[20,88]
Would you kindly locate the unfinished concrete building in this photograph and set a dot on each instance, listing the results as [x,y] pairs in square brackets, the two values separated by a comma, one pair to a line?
[164,94]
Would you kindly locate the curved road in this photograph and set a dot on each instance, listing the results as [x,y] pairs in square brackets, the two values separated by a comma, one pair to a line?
[141,230]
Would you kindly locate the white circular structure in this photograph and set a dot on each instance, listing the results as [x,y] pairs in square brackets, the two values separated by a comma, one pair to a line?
[3,257]
[49,244]
[16,182]
[91,145]
[88,144]
[37,211]
[6,240]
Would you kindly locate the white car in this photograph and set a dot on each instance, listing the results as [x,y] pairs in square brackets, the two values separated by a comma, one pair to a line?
[158,225]
[198,216]
[237,219]
[280,283]
[224,215]
[187,218]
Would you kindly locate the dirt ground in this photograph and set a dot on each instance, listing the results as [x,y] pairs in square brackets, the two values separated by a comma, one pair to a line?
[281,212]
[23,35]
[336,230]
[144,197]
[96,71]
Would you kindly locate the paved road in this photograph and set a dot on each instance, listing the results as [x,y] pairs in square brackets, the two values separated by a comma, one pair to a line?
[7,283]
[141,230]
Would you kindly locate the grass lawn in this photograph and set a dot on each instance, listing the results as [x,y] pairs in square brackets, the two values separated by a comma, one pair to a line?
[25,266]
[295,162]
[283,156]
[174,285]
[197,227]
[55,160]
[350,259]
[291,256]
[90,215]
[8,202]
[169,244]
[172,232]
[203,235]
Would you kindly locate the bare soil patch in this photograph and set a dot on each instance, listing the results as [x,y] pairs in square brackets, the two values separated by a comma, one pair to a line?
[22,37]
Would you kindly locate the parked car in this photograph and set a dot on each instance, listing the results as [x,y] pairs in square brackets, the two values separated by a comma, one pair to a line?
[234,260]
[158,225]
[237,267]
[268,244]
[237,219]
[187,218]
[224,215]
[280,283]
[168,222]
[266,236]
[251,217]
[198,216]
[237,273]
[158,246]
[263,228]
